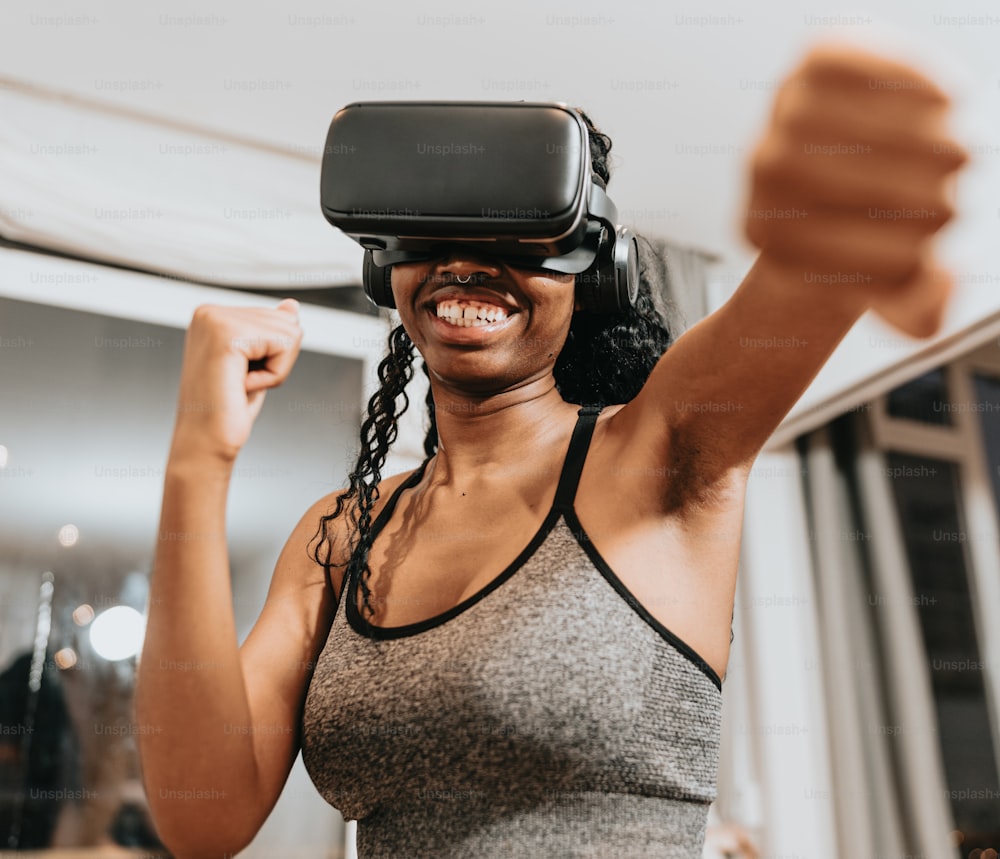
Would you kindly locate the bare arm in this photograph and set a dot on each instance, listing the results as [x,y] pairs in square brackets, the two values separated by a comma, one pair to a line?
[850,185]
[219,727]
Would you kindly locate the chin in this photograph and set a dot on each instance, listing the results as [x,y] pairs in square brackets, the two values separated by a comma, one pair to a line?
[483,381]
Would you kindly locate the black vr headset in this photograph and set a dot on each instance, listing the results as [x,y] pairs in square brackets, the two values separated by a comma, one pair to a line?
[412,181]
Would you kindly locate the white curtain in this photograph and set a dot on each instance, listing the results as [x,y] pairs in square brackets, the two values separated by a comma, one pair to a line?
[113,186]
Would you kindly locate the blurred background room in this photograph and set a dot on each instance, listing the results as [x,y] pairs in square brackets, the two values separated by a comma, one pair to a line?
[154,157]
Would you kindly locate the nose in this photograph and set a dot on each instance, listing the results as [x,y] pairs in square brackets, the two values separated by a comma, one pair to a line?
[462,264]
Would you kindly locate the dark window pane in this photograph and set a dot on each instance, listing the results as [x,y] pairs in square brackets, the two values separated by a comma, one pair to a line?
[926,495]
[988,405]
[925,399]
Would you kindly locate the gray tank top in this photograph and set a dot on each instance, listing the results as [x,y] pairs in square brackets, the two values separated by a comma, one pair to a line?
[547,715]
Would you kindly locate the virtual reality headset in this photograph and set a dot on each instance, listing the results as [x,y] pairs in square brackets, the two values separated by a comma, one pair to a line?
[413,181]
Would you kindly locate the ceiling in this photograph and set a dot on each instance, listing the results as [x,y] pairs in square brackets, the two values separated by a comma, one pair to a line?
[683,89]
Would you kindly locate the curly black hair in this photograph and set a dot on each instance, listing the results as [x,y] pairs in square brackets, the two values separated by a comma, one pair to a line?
[606,359]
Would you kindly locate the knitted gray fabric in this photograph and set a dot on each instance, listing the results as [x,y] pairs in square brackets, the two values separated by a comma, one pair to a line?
[549,715]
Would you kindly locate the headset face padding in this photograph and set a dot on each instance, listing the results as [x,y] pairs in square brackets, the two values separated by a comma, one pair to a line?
[608,286]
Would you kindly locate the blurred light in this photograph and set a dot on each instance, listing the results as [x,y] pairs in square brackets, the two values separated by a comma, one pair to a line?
[958,836]
[68,535]
[43,626]
[989,853]
[117,633]
[83,614]
[65,658]
[3,456]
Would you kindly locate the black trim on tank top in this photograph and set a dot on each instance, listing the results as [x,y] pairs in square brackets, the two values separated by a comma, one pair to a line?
[384,515]
[604,568]
[386,512]
[576,456]
[562,507]
[569,478]
[579,448]
[360,625]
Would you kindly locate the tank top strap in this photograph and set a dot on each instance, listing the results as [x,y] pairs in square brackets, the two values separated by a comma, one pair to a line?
[576,455]
[386,512]
[384,515]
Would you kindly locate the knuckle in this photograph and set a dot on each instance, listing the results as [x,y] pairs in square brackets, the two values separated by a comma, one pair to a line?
[948,154]
[755,231]
[203,312]
[795,109]
[770,163]
[959,156]
[945,212]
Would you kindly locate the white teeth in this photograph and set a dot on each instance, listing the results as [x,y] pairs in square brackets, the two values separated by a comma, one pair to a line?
[466,314]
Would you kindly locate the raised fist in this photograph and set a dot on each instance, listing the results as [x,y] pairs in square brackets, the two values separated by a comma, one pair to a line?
[852,180]
[232,355]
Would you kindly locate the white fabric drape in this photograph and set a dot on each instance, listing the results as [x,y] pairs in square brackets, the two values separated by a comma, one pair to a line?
[101,183]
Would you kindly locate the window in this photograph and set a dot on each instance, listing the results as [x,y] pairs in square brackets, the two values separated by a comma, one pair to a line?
[940,435]
[921,400]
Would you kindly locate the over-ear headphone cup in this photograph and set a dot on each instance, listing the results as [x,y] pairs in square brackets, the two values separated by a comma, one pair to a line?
[377,282]
[626,267]
[611,284]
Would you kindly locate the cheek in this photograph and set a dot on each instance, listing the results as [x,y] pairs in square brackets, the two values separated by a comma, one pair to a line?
[405,280]
[557,302]
[553,318]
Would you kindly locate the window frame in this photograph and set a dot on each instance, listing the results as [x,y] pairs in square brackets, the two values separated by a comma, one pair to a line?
[962,443]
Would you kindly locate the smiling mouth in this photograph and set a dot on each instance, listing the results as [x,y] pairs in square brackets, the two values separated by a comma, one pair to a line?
[470,314]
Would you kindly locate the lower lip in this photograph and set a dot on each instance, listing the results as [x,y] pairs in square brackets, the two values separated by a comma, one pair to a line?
[467,334]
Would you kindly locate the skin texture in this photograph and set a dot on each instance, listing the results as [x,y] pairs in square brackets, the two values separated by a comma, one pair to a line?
[664,479]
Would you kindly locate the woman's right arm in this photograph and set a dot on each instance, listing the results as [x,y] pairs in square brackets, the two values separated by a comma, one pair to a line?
[217,724]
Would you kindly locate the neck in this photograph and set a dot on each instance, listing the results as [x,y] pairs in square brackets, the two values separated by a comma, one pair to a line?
[480,435]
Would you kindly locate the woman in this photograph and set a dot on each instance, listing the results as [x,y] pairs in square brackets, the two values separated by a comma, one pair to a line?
[518,649]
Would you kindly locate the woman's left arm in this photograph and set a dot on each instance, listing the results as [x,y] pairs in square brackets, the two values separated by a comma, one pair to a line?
[850,184]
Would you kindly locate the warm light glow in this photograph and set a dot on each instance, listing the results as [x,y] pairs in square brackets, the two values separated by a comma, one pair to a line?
[68,535]
[989,853]
[3,456]
[117,633]
[65,658]
[83,614]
